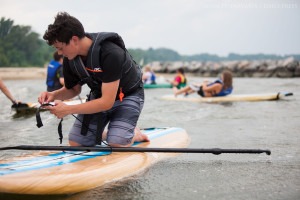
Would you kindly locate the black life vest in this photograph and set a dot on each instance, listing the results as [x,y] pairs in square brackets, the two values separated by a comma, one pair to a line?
[129,82]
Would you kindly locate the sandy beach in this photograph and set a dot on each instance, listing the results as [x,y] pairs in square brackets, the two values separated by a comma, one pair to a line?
[23,73]
[18,73]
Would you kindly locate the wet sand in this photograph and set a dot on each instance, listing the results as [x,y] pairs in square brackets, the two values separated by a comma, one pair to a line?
[20,73]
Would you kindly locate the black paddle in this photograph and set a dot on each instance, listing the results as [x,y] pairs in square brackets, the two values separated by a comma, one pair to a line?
[215,151]
[20,106]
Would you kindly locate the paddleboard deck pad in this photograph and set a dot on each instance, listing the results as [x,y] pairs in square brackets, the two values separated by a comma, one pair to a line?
[229,98]
[49,172]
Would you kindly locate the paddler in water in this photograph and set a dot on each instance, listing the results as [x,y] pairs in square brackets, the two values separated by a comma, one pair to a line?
[180,80]
[220,87]
[101,61]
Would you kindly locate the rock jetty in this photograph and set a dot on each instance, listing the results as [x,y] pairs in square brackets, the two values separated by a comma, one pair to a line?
[286,68]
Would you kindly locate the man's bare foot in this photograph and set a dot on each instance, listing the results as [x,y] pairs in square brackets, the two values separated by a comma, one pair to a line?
[139,136]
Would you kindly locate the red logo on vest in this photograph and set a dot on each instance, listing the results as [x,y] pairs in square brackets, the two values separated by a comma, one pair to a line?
[96,69]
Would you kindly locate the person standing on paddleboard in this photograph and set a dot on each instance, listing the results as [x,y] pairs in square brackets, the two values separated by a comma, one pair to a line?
[101,61]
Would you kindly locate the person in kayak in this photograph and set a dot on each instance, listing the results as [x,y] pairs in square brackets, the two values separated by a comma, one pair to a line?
[149,76]
[101,61]
[180,80]
[220,87]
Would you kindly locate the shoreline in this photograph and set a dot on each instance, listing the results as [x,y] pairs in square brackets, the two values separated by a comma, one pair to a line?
[19,73]
[25,73]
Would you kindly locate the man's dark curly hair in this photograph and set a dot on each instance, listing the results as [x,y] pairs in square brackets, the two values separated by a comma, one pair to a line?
[64,27]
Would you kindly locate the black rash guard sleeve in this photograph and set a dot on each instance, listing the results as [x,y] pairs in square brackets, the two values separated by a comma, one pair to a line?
[112,60]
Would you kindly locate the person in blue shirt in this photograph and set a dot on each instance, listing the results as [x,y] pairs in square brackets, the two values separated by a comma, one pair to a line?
[220,87]
[55,76]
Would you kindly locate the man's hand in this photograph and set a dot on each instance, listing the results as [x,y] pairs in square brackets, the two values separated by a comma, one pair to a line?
[45,97]
[60,109]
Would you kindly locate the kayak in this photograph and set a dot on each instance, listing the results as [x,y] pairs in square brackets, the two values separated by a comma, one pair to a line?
[158,85]
[69,172]
[229,98]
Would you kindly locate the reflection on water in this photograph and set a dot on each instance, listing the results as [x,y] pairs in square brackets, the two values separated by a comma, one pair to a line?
[263,125]
[24,114]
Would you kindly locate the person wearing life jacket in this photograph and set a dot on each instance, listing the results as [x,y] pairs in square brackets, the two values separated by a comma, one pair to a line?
[55,77]
[220,87]
[101,61]
[180,80]
[149,76]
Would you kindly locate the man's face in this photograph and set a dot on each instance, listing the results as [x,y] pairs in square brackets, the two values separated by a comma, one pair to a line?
[67,50]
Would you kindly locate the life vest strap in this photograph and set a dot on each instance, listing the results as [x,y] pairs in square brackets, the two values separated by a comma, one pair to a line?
[40,123]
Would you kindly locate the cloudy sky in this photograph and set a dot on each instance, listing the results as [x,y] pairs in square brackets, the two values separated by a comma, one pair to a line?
[186,26]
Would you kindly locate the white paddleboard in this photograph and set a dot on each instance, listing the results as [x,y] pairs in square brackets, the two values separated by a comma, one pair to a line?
[229,98]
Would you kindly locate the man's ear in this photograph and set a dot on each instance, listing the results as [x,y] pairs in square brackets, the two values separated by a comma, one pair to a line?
[75,39]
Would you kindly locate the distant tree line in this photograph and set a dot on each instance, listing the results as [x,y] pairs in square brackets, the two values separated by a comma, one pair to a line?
[163,54]
[21,47]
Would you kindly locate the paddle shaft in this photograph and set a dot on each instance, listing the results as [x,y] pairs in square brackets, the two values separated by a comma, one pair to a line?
[215,151]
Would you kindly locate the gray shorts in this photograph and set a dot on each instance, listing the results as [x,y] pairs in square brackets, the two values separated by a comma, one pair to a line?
[121,119]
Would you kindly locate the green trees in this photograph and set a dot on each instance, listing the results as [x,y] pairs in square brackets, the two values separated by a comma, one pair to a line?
[160,54]
[19,46]
[164,54]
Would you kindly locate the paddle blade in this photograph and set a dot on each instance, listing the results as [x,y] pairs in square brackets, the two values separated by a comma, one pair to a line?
[20,105]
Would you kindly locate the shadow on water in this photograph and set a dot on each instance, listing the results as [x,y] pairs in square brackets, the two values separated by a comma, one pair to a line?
[24,114]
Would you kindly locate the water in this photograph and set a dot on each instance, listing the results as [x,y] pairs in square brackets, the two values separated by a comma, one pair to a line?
[270,125]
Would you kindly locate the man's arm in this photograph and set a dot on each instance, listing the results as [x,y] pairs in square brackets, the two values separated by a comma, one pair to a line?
[109,92]
[61,94]
[64,93]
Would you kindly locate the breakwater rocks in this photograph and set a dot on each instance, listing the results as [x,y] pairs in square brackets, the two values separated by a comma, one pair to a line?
[285,68]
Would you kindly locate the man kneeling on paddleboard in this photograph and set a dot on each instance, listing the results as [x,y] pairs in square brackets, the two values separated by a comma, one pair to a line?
[101,61]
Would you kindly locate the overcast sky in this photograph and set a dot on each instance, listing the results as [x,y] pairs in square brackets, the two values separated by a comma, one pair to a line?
[186,26]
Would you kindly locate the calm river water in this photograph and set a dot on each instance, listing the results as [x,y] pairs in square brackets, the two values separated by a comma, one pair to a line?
[273,125]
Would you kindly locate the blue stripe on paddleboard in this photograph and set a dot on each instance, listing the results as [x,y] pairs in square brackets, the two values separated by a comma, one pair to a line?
[58,159]
[48,157]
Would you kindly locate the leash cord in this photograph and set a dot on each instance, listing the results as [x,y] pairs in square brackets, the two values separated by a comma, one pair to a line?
[59,129]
